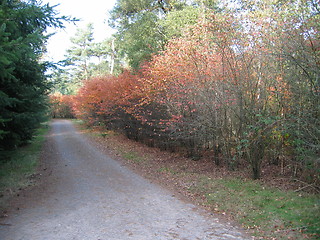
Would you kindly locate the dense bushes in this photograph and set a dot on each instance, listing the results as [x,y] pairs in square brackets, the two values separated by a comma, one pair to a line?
[61,106]
[236,92]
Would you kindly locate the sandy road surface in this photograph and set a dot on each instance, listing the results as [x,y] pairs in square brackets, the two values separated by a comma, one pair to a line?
[87,195]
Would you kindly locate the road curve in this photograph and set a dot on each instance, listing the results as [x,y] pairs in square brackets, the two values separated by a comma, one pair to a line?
[87,195]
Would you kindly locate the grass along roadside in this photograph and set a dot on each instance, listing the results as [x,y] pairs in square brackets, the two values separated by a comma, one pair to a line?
[267,212]
[18,166]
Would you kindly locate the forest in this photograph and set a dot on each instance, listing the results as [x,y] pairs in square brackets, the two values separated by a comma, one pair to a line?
[216,100]
[238,80]
[235,80]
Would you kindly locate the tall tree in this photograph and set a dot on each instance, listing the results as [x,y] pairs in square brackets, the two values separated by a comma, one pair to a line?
[105,53]
[23,84]
[79,54]
[83,60]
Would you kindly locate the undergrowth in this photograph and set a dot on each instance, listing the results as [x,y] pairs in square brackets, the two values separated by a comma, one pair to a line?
[18,166]
[268,211]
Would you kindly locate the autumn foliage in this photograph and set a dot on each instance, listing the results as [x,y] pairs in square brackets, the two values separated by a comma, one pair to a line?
[217,89]
[61,106]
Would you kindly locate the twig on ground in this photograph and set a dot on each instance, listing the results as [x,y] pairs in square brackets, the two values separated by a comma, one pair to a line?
[5,224]
[307,185]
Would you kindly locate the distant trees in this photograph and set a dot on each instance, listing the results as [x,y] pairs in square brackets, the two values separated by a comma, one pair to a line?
[85,59]
[23,84]
[242,84]
[143,29]
[79,54]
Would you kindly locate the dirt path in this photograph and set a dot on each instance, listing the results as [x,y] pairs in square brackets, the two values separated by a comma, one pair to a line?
[86,195]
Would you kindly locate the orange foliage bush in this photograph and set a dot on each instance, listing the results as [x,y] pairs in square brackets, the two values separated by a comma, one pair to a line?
[215,89]
[61,106]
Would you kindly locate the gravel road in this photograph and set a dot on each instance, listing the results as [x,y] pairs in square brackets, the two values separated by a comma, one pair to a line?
[86,195]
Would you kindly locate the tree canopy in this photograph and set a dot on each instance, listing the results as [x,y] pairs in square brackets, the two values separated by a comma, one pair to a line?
[143,27]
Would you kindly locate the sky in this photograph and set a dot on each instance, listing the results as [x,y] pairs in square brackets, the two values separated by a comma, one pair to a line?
[92,11]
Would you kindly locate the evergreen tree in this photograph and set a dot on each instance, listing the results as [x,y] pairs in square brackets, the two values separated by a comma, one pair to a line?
[78,56]
[23,84]
[83,60]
